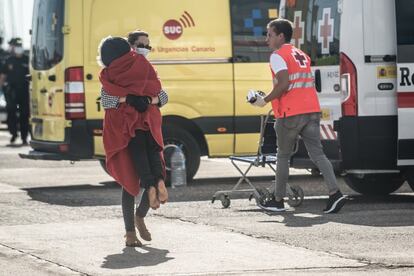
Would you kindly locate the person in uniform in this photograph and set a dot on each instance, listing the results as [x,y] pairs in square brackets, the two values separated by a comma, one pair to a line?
[3,56]
[16,89]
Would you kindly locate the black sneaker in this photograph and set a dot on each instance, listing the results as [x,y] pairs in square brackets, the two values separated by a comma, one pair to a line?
[273,205]
[335,203]
[13,139]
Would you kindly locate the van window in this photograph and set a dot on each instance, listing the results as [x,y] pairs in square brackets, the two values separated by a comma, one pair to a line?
[405,23]
[315,29]
[405,31]
[249,20]
[47,36]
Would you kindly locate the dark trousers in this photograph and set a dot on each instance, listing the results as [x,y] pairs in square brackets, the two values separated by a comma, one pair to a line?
[18,102]
[145,154]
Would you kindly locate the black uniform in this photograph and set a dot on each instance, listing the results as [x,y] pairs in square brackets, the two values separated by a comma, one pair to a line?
[3,57]
[17,94]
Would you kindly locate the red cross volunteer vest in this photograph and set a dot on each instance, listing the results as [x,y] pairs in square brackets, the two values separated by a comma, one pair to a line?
[300,97]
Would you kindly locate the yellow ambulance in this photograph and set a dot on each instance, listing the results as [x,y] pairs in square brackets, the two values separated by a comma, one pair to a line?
[208,54]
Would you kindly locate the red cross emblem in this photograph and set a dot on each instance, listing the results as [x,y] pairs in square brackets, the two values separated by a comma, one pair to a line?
[300,58]
[298,29]
[326,25]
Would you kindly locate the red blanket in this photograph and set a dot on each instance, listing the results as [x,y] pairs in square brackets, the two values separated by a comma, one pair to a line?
[129,74]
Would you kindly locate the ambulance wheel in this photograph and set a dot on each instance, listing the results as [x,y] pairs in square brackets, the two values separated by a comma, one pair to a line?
[103,165]
[225,201]
[410,178]
[174,135]
[374,184]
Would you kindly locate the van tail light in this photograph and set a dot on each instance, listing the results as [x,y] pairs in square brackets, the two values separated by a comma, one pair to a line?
[74,93]
[349,89]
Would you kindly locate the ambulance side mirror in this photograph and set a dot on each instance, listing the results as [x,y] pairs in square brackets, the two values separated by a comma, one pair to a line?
[318,84]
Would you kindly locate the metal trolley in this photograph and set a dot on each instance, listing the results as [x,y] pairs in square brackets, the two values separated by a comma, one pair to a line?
[266,156]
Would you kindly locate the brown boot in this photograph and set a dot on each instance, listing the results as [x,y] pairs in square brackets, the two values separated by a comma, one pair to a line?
[131,239]
[142,228]
[152,197]
[162,192]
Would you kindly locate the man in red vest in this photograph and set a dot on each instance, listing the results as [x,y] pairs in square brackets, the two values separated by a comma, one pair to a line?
[296,107]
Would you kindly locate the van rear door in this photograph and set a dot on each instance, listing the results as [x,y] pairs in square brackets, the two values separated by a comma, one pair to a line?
[316,25]
[405,81]
[47,94]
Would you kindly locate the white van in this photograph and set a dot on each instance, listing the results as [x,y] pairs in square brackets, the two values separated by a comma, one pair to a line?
[376,129]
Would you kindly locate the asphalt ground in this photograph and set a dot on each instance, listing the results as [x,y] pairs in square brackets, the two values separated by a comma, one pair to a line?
[58,218]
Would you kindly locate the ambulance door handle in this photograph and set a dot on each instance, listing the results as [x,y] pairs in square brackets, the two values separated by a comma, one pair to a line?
[318,84]
[52,78]
[43,90]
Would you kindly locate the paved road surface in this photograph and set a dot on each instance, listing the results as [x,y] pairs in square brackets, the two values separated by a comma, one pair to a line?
[63,219]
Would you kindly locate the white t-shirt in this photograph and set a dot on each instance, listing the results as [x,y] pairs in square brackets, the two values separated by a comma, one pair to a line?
[277,63]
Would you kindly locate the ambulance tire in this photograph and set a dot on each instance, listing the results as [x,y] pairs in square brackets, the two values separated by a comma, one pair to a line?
[103,165]
[410,178]
[374,184]
[178,136]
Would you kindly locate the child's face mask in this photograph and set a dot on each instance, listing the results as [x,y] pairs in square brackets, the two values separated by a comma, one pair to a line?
[18,50]
[143,51]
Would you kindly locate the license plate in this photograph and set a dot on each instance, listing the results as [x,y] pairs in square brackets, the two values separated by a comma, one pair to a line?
[38,130]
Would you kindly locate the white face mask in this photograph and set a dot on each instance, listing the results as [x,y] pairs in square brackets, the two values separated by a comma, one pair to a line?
[143,51]
[18,50]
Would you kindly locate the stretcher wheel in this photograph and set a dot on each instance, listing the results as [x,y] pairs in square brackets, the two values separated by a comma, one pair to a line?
[296,196]
[265,196]
[225,201]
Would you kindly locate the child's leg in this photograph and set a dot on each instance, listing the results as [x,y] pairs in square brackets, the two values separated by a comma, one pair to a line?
[156,166]
[143,207]
[138,149]
[153,152]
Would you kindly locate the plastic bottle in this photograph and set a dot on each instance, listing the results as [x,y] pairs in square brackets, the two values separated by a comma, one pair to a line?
[178,170]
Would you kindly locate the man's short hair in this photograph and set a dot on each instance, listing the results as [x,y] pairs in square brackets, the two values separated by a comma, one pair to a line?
[133,36]
[16,41]
[283,26]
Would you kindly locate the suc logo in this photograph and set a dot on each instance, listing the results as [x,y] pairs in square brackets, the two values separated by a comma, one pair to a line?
[173,29]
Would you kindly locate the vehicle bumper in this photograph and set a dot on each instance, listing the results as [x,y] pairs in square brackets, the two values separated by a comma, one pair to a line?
[77,145]
[39,155]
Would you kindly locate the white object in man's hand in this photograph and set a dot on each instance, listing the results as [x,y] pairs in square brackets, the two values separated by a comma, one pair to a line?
[256,98]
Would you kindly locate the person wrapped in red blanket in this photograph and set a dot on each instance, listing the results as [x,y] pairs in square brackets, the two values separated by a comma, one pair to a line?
[126,73]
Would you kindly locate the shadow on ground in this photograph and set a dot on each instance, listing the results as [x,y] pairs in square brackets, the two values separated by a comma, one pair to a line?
[136,257]
[392,210]
[109,193]
[379,211]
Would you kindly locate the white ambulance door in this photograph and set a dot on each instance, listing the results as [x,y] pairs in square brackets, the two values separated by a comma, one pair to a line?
[316,25]
[405,81]
[376,68]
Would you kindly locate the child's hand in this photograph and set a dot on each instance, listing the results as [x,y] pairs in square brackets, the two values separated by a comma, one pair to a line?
[140,103]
